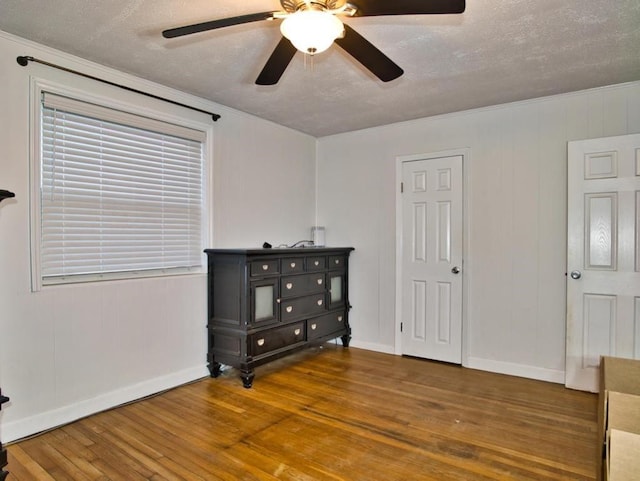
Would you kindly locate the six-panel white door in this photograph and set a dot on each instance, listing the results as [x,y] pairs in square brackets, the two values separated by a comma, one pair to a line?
[432,258]
[603,265]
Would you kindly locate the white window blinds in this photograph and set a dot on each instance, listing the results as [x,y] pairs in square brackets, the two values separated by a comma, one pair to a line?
[120,193]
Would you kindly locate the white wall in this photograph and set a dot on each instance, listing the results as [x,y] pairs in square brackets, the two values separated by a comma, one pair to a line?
[516,198]
[70,350]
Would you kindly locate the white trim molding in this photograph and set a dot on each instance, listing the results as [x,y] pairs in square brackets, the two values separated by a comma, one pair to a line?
[13,431]
[513,369]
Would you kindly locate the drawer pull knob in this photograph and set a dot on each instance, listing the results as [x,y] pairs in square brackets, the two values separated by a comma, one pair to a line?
[319,302]
[265,267]
[293,265]
[319,282]
[313,327]
[260,342]
[278,300]
[289,308]
[316,263]
[339,318]
[337,261]
[297,332]
[289,285]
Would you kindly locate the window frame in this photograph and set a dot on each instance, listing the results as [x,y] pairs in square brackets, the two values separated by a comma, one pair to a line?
[129,103]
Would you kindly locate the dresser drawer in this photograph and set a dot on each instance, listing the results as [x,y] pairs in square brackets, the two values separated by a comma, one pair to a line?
[264,268]
[292,286]
[336,262]
[273,339]
[300,307]
[316,263]
[292,265]
[324,325]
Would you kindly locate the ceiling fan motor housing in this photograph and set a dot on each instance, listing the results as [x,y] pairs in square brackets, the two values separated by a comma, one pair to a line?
[293,6]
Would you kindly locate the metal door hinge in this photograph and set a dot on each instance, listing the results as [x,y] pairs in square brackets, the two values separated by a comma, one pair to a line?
[402,187]
[401,326]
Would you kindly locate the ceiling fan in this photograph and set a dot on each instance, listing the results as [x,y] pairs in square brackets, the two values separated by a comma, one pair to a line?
[311,26]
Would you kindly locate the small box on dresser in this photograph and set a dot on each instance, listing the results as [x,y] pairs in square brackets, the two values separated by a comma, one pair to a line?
[268,303]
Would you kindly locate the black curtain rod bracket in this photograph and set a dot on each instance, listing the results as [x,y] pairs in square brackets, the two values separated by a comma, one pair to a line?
[5,194]
[24,61]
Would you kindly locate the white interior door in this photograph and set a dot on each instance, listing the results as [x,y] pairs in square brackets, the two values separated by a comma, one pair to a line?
[431,291]
[603,265]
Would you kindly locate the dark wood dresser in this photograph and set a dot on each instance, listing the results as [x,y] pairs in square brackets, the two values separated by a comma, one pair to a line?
[267,303]
[3,453]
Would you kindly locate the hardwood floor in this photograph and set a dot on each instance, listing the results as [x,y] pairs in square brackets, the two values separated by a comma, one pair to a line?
[330,414]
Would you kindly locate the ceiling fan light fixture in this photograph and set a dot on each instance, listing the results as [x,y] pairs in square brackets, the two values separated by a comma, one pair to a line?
[312,31]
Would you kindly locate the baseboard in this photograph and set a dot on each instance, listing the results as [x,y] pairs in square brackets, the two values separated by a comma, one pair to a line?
[500,367]
[513,369]
[16,430]
[371,346]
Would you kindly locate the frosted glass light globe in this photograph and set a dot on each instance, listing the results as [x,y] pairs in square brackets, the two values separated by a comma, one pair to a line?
[312,31]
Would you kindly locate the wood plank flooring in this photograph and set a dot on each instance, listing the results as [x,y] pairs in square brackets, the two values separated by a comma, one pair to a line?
[330,414]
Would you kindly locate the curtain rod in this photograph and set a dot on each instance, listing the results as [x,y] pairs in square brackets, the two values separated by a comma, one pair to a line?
[24,61]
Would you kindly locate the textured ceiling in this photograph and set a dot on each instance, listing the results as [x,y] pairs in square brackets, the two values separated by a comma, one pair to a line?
[497,51]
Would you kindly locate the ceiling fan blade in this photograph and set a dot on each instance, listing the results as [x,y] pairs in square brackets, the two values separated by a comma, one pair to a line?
[367,8]
[277,63]
[368,55]
[213,24]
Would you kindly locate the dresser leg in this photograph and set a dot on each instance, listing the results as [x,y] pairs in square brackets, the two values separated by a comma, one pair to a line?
[345,340]
[214,366]
[247,376]
[214,369]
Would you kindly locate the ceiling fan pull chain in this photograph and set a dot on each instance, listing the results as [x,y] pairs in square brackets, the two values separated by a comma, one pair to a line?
[309,63]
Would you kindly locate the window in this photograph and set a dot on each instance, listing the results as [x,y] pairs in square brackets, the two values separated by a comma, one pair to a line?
[120,195]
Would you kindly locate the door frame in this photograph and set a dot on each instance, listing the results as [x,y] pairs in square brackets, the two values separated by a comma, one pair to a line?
[466,251]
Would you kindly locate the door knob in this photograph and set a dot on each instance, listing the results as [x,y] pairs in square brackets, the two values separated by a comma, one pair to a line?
[576,274]
[456,270]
